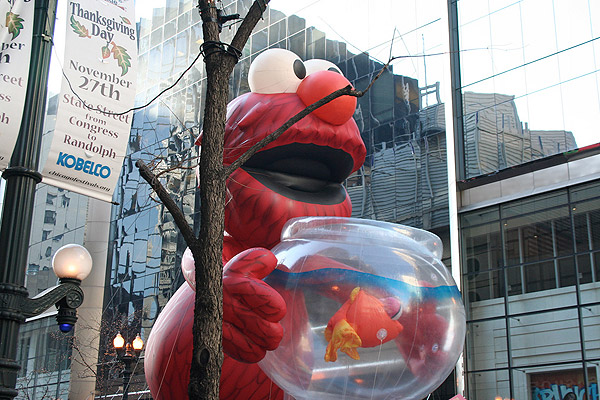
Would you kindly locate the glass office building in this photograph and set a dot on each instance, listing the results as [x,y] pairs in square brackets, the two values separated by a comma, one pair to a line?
[401,120]
[540,62]
[532,279]
[505,91]
[526,94]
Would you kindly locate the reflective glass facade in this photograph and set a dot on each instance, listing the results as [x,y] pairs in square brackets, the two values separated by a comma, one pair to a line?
[529,80]
[526,95]
[531,278]
[44,355]
[401,120]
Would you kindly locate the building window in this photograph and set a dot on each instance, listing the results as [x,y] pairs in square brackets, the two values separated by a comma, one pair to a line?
[50,217]
[23,355]
[497,125]
[541,245]
[539,276]
[531,278]
[50,198]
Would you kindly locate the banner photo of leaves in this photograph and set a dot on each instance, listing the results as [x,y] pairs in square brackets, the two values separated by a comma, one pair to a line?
[14,23]
[119,52]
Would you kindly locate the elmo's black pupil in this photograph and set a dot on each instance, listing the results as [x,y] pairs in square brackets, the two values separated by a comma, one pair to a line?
[333,70]
[299,69]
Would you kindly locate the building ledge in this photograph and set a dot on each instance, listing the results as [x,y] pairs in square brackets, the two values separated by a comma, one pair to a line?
[531,166]
[536,177]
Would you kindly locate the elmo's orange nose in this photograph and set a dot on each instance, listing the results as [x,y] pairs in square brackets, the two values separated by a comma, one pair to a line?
[318,85]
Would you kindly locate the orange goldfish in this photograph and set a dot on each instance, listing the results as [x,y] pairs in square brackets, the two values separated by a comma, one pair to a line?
[362,321]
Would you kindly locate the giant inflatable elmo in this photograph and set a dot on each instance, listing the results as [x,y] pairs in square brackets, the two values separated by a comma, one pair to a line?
[299,174]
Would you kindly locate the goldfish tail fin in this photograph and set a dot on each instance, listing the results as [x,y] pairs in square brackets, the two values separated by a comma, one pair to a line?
[330,353]
[351,352]
[343,338]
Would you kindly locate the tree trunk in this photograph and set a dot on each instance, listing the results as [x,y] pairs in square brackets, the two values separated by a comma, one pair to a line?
[208,315]
[220,59]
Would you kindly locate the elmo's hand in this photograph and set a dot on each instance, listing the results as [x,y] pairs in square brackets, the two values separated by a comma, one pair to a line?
[422,341]
[251,308]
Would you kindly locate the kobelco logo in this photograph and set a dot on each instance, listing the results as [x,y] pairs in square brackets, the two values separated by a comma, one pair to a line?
[79,164]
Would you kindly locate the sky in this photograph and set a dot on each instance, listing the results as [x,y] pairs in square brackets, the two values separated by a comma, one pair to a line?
[495,37]
[143,8]
[492,41]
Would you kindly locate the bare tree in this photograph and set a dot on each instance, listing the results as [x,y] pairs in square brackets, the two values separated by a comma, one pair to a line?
[45,365]
[85,347]
[207,247]
[25,386]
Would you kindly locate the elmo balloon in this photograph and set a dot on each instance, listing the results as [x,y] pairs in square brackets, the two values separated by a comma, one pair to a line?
[299,174]
[302,317]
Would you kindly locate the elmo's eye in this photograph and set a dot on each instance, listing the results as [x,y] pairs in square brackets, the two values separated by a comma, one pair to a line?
[276,71]
[320,65]
[299,69]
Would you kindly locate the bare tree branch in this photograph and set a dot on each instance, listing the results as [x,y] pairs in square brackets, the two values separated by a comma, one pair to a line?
[250,20]
[381,71]
[273,136]
[168,202]
[178,166]
[82,359]
[345,91]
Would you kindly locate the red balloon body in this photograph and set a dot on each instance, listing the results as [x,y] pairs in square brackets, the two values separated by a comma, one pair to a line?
[249,198]
[298,174]
[169,354]
[425,332]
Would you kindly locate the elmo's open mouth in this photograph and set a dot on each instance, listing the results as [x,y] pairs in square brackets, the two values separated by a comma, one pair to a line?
[304,172]
[308,163]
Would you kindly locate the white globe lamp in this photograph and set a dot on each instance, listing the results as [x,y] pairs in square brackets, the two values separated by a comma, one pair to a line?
[72,261]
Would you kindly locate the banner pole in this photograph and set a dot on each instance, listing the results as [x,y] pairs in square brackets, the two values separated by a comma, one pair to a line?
[22,176]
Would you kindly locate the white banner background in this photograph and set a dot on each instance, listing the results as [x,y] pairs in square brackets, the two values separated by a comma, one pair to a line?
[16,29]
[89,142]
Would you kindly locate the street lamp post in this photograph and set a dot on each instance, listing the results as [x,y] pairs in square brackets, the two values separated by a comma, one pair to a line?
[71,263]
[21,178]
[127,353]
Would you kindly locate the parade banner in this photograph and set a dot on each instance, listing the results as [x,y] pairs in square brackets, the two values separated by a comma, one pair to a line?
[16,29]
[91,134]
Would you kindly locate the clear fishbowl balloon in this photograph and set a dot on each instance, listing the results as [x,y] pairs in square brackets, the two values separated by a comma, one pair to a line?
[372,313]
